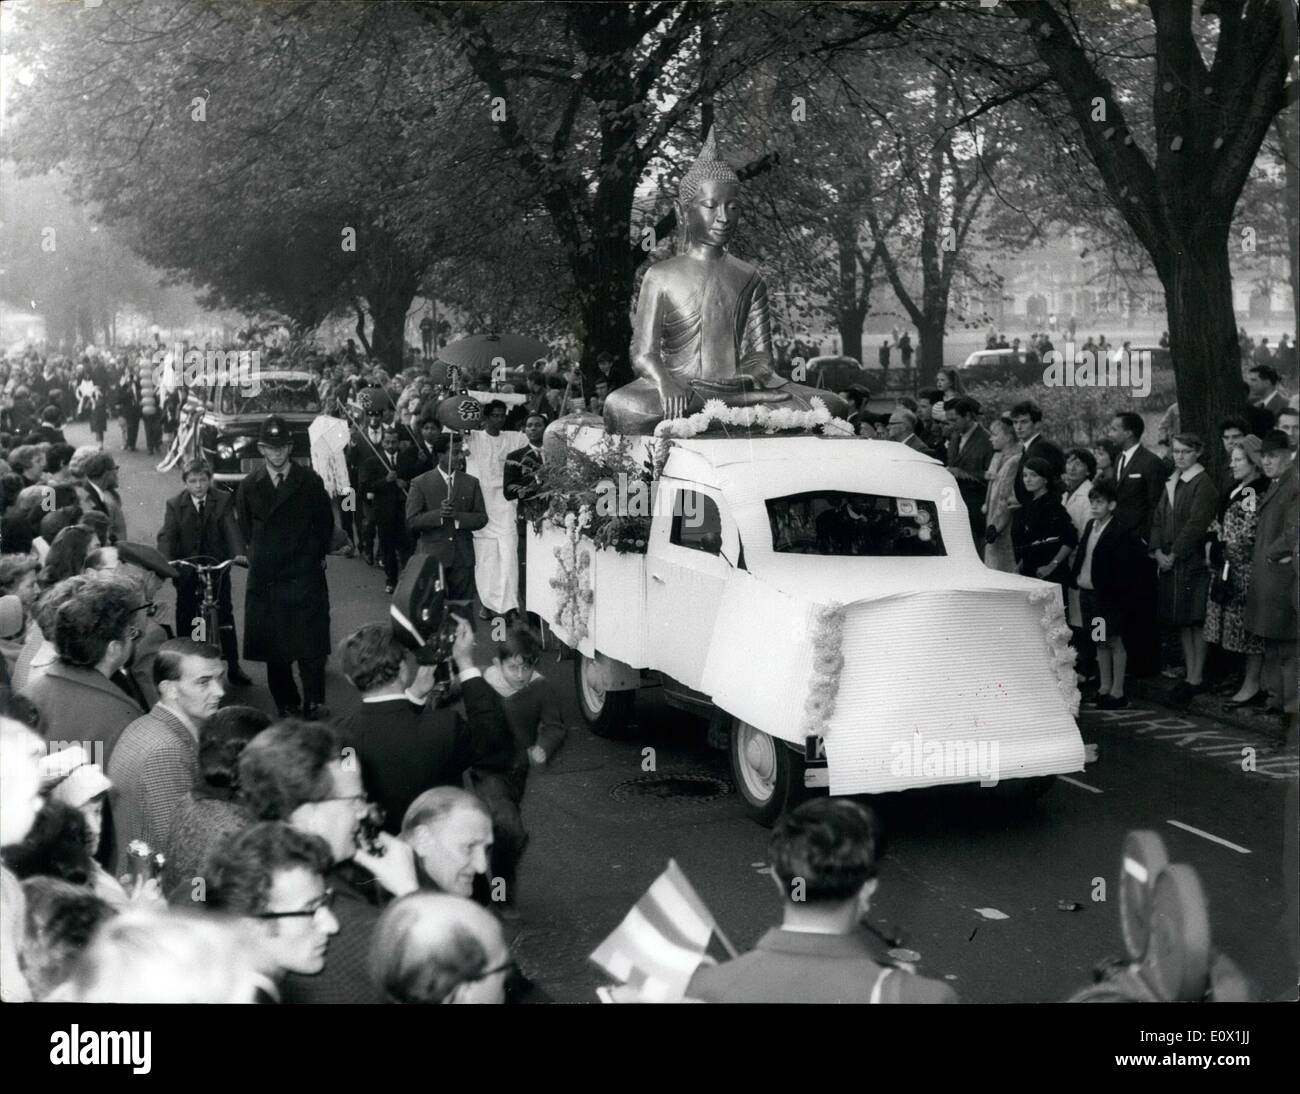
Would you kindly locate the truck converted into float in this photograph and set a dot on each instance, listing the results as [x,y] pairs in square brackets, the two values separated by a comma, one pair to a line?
[821,601]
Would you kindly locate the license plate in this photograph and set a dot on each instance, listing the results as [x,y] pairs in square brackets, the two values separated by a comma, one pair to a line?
[817,778]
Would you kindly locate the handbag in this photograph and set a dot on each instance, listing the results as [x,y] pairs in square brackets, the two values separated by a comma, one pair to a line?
[1221,590]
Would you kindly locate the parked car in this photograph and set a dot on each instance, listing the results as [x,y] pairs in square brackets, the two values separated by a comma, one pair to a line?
[837,373]
[822,604]
[228,433]
[999,366]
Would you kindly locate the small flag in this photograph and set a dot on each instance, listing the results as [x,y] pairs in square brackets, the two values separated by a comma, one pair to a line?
[661,941]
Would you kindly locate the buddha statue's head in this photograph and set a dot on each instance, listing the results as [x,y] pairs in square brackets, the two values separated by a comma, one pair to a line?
[708,200]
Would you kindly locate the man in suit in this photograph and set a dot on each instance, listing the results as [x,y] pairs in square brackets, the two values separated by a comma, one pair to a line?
[1139,474]
[100,471]
[287,521]
[823,856]
[1262,379]
[404,741]
[274,878]
[297,772]
[384,492]
[200,522]
[902,428]
[970,451]
[1027,419]
[93,636]
[365,440]
[156,760]
[414,461]
[444,507]
[1271,601]
[520,484]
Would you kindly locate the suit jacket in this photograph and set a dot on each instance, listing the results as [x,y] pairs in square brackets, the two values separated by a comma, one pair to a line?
[405,750]
[1041,449]
[973,459]
[153,767]
[1138,492]
[385,498]
[289,532]
[520,480]
[914,441]
[413,462]
[82,705]
[346,976]
[183,535]
[111,507]
[1120,569]
[1271,601]
[450,542]
[794,967]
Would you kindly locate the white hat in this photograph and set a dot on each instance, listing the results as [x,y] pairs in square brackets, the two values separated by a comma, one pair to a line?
[80,780]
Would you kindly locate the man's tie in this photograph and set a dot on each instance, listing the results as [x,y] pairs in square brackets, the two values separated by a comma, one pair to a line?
[1123,463]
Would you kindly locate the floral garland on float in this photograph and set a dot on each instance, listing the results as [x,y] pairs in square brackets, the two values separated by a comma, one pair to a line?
[573,579]
[716,412]
[577,484]
[1056,633]
[827,633]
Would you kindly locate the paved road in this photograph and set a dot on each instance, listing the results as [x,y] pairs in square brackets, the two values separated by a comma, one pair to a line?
[974,890]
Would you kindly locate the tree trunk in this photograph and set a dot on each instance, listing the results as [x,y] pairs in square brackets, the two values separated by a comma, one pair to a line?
[1203,337]
[605,284]
[388,306]
[929,350]
[849,311]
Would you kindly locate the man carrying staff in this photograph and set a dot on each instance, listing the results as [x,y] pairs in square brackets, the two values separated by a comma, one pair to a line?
[288,524]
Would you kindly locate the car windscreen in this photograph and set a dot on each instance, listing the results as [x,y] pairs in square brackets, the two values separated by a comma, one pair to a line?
[271,397]
[836,522]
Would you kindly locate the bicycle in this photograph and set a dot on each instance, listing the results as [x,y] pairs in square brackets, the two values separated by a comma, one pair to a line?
[210,574]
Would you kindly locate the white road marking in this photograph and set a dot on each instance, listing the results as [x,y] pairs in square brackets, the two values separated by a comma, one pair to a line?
[1081,786]
[992,913]
[1206,835]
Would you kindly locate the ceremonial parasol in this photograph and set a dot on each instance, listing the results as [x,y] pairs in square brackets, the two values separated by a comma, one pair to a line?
[479,354]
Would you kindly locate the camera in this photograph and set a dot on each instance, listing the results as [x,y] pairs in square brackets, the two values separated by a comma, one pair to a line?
[369,828]
[422,619]
[143,863]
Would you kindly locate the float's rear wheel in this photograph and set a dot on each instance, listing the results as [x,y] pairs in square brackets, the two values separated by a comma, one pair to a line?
[606,713]
[767,772]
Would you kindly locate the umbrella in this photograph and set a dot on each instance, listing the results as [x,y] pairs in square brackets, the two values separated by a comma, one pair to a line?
[481,353]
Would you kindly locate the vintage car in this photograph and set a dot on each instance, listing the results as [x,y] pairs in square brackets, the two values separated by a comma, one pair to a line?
[821,601]
[234,414]
[996,366]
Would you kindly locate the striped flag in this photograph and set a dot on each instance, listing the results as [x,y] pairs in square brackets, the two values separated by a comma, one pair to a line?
[661,941]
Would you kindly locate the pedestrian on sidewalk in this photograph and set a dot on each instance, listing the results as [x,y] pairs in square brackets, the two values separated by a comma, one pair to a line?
[1271,601]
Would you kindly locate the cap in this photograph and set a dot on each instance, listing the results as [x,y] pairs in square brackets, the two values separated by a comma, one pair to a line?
[274,432]
[12,617]
[147,558]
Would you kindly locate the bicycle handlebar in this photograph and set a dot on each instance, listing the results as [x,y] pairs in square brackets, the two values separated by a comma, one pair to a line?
[204,568]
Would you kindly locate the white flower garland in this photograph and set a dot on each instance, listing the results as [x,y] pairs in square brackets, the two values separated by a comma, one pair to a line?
[749,417]
[827,634]
[573,580]
[1057,634]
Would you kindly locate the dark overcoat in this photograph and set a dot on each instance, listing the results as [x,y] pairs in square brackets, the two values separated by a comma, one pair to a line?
[288,532]
[1271,601]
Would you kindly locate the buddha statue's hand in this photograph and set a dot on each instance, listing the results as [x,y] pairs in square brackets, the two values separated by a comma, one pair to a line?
[673,396]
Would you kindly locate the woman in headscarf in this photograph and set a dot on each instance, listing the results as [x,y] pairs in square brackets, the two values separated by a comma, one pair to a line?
[1042,533]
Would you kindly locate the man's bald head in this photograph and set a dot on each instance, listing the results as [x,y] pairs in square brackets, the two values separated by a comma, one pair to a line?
[436,948]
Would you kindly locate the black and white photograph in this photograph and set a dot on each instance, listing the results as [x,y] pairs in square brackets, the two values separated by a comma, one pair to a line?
[657,502]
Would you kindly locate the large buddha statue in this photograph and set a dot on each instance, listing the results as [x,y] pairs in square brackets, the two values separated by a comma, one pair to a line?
[702,327]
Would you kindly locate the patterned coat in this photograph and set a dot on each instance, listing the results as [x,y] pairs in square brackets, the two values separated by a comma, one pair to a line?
[153,767]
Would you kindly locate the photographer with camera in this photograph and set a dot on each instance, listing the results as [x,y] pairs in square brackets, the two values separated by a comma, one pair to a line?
[405,742]
[299,773]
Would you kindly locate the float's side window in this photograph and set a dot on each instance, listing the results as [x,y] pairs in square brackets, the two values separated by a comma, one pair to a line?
[697,524]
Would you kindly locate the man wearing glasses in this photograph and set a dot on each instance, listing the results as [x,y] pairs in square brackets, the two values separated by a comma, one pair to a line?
[273,877]
[298,772]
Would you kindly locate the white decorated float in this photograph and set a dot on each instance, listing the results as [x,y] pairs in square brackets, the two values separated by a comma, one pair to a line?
[820,598]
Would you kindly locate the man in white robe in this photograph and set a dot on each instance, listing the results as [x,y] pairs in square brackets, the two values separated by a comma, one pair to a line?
[496,546]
